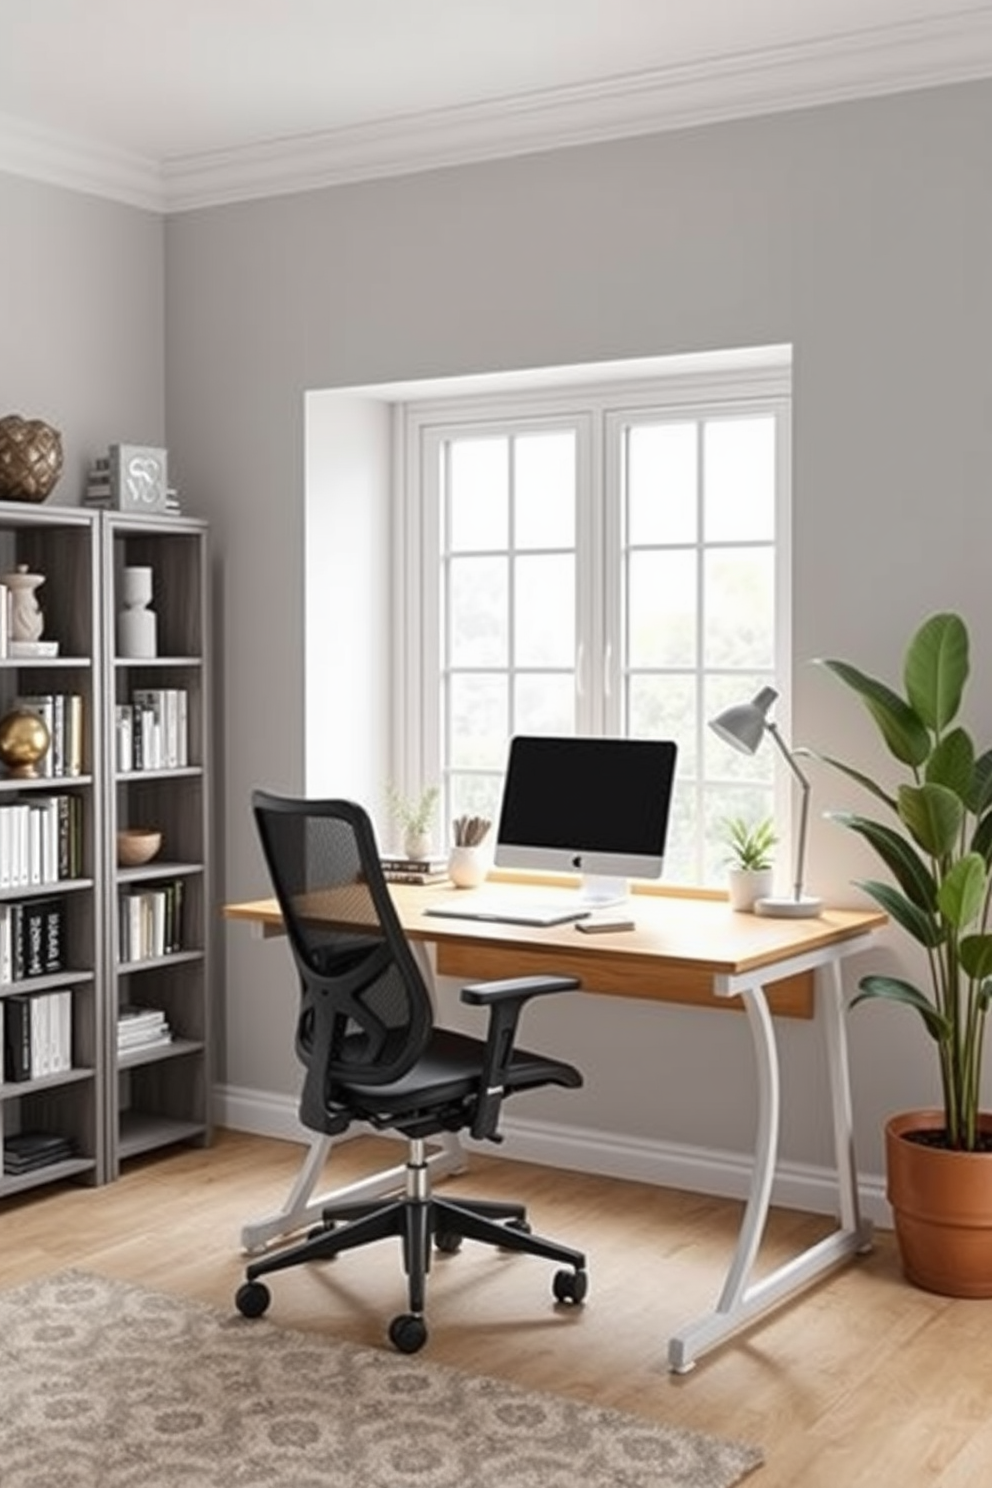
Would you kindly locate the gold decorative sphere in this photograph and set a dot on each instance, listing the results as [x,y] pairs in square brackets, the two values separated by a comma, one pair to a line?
[24,740]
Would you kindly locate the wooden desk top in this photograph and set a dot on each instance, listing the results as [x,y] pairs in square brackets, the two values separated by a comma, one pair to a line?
[680,943]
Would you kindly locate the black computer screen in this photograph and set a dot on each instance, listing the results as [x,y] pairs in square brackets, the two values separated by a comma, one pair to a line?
[596,805]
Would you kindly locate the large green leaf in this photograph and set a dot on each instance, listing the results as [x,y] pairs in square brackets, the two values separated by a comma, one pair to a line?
[981,839]
[928,929]
[980,795]
[952,764]
[902,729]
[933,814]
[892,989]
[975,954]
[898,855]
[936,669]
[962,893]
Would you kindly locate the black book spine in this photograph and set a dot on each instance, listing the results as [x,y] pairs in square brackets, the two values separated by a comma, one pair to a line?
[17,1038]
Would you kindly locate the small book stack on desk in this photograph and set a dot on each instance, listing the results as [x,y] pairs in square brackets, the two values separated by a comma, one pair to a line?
[414,870]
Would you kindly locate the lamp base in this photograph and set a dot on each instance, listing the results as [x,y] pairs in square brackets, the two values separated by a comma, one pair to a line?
[788,907]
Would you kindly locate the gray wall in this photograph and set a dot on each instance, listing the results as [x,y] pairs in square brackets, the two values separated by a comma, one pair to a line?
[81,321]
[859,233]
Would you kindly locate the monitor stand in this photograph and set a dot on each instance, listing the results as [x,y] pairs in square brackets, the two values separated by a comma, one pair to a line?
[602,891]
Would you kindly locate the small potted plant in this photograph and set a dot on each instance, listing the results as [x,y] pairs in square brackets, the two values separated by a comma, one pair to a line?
[750,849]
[414,815]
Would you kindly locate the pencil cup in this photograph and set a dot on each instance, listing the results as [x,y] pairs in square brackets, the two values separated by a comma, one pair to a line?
[466,867]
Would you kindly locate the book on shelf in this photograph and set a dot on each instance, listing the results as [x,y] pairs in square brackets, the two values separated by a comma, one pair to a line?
[141,1028]
[150,921]
[27,649]
[37,1035]
[32,939]
[27,1151]
[62,715]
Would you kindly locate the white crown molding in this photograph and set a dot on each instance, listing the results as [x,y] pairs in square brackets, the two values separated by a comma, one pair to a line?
[79,165]
[863,64]
[883,60]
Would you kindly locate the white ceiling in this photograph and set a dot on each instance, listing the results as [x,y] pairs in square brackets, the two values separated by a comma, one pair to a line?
[174,103]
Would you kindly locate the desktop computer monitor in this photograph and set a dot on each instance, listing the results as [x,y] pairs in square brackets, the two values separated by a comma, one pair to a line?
[594,806]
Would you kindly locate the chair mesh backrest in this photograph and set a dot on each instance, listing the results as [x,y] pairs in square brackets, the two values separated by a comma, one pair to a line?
[365,1014]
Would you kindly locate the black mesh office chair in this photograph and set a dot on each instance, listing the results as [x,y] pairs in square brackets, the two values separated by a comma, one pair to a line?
[366,1036]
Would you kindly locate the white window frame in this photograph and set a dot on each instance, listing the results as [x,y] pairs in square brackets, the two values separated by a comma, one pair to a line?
[602,410]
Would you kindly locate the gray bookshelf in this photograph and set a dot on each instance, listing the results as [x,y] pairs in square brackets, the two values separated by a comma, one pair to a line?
[157,916]
[63,545]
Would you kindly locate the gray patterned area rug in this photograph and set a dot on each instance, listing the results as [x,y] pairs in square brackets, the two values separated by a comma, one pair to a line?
[106,1385]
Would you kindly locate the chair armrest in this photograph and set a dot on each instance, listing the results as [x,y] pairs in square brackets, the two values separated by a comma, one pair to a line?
[505,1000]
[484,994]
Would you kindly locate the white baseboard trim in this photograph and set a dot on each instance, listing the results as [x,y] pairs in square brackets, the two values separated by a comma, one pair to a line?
[723,1174]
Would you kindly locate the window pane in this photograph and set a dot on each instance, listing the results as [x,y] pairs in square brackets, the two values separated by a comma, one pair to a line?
[665,708]
[480,721]
[544,704]
[475,795]
[739,479]
[478,609]
[680,847]
[739,588]
[479,494]
[544,620]
[661,483]
[662,609]
[724,763]
[544,484]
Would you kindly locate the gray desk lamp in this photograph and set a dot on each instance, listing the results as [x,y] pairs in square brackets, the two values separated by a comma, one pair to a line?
[744,726]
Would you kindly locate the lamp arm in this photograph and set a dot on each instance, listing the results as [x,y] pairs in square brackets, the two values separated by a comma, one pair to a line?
[803,810]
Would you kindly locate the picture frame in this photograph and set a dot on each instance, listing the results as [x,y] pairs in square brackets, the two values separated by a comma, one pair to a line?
[139,480]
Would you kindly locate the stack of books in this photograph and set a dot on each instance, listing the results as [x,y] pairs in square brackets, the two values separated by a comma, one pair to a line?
[414,870]
[37,1035]
[141,1028]
[30,1150]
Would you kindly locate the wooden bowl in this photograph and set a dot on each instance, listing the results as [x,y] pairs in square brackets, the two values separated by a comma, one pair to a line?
[137,845]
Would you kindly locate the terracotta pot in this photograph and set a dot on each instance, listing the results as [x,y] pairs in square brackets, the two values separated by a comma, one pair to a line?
[942,1205]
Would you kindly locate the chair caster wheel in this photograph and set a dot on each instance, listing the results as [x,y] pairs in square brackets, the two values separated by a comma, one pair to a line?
[407,1333]
[252,1298]
[447,1242]
[570,1286]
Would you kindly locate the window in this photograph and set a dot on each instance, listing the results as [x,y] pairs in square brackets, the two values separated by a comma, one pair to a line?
[597,560]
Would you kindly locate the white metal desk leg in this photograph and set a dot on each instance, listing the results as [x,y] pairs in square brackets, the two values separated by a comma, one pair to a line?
[733,1306]
[301,1209]
[835,1033]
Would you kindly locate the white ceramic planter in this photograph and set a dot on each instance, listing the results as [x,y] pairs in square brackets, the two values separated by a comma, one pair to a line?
[746,885]
[467,866]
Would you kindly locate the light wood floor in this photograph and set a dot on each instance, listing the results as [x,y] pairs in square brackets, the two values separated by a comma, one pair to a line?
[863,1381]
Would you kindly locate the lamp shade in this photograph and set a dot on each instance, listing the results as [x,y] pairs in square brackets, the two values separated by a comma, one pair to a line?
[744,724]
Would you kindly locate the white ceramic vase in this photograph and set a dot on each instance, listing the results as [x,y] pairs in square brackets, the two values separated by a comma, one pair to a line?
[136,624]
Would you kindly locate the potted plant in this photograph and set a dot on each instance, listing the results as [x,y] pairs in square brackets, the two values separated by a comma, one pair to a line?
[935,842]
[750,846]
[414,816]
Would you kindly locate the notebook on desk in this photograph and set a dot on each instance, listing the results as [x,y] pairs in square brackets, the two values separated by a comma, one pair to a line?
[510,912]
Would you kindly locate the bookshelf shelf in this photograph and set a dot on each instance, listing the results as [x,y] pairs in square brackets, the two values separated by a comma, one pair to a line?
[179,1048]
[141,1132]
